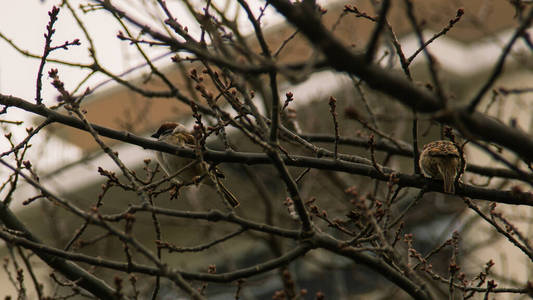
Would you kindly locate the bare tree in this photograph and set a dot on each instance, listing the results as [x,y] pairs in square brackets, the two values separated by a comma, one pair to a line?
[291,167]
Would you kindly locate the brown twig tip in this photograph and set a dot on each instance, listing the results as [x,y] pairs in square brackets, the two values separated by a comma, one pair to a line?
[448,132]
[212,269]
[75,42]
[491,284]
[372,146]
[60,86]
[489,265]
[197,130]
[27,164]
[47,49]
[289,98]
[194,74]
[332,108]
[120,35]
[332,104]
[320,296]
[53,17]
[358,13]
[453,268]
[53,73]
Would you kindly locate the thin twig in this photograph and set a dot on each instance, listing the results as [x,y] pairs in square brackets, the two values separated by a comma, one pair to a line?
[501,230]
[498,68]
[382,19]
[332,107]
[48,41]
[173,248]
[416,166]
[445,30]
[371,144]
[431,61]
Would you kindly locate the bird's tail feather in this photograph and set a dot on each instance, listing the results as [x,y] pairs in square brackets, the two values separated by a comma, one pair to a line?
[448,176]
[229,197]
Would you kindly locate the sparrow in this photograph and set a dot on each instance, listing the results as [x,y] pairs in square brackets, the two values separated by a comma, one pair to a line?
[441,160]
[176,134]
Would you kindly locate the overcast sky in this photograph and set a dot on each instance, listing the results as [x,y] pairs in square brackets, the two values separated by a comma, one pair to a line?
[24,22]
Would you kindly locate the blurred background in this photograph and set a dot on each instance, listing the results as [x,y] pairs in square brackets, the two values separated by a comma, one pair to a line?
[67,159]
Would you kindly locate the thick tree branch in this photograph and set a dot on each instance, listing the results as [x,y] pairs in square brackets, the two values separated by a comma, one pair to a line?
[407,151]
[509,197]
[321,240]
[498,68]
[167,272]
[373,262]
[70,270]
[343,59]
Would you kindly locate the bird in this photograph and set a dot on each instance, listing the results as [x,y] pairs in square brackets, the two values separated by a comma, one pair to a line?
[441,160]
[176,134]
